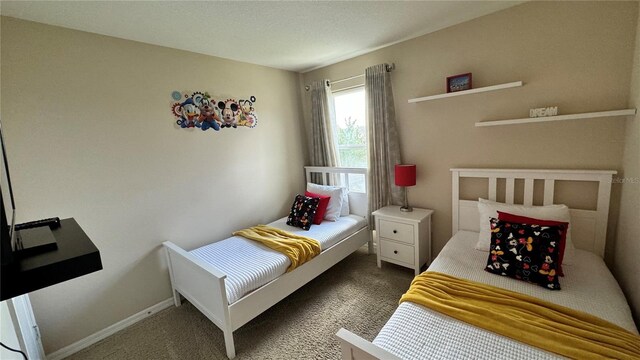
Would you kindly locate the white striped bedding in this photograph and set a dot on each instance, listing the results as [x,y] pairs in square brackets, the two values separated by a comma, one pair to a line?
[416,332]
[249,264]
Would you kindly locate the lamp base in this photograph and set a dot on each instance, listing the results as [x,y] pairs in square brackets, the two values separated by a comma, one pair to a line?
[406,209]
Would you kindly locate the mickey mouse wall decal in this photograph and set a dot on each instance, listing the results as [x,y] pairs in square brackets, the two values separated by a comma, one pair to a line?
[200,110]
[230,113]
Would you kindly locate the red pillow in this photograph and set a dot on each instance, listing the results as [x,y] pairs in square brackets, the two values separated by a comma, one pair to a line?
[322,206]
[527,220]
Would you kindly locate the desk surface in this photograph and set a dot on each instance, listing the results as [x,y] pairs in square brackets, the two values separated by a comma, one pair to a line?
[75,256]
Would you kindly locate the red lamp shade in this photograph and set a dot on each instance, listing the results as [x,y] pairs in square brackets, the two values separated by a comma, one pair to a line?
[405,175]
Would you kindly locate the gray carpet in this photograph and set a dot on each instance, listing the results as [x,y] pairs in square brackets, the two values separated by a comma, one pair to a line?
[354,294]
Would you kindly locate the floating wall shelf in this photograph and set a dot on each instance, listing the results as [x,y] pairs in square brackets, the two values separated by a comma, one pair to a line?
[591,115]
[468,92]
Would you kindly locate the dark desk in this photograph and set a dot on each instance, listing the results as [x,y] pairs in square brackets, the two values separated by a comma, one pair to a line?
[76,256]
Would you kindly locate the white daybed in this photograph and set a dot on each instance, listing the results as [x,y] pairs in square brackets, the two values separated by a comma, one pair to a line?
[215,281]
[416,332]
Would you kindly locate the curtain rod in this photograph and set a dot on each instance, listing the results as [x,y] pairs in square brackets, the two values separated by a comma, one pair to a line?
[388,67]
[347,79]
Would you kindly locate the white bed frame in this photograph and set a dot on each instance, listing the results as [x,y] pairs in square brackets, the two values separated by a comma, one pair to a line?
[588,227]
[204,285]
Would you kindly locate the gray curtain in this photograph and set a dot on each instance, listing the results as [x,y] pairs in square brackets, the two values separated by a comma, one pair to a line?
[323,149]
[384,145]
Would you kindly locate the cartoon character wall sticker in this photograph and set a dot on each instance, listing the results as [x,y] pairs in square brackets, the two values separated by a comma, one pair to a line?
[200,110]
[230,113]
[247,115]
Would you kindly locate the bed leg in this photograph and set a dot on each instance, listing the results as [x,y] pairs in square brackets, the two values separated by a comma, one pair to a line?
[228,343]
[177,301]
[370,248]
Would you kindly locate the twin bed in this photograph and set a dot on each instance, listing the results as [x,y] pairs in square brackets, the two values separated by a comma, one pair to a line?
[234,280]
[417,332]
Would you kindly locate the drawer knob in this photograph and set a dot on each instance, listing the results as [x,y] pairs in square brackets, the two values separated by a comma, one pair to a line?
[395,231]
[395,251]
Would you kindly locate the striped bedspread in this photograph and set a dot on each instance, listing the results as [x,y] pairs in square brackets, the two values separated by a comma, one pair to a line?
[249,265]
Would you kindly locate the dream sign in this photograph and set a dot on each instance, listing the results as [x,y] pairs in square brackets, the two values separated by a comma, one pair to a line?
[200,110]
[541,112]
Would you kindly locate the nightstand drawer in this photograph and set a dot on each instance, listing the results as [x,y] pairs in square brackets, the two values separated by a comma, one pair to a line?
[397,252]
[396,231]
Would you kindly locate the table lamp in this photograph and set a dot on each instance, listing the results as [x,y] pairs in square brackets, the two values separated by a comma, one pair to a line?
[405,176]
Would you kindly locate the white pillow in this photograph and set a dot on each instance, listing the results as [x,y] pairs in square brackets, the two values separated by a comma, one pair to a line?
[335,203]
[489,209]
[345,211]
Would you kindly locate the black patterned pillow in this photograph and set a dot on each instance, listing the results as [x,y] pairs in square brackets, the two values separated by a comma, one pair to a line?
[303,211]
[525,252]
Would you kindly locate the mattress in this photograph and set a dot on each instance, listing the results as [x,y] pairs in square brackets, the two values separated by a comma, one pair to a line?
[249,264]
[416,332]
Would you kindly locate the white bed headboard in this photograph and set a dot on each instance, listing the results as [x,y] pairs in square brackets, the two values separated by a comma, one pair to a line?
[588,227]
[354,179]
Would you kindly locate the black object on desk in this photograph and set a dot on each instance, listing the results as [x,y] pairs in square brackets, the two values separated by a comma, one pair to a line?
[75,256]
[33,241]
[35,237]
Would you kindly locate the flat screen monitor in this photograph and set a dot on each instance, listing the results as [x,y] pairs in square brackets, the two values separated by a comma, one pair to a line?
[8,208]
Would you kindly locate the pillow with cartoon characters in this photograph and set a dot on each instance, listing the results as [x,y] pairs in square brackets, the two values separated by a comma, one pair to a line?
[527,220]
[527,252]
[303,211]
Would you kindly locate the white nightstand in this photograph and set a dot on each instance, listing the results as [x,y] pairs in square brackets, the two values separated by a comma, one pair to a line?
[404,238]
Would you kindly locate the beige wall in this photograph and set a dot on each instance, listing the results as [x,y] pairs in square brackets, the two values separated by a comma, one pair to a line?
[576,55]
[90,135]
[626,266]
[8,335]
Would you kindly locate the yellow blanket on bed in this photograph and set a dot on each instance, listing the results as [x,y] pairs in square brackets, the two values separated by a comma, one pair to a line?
[551,327]
[298,249]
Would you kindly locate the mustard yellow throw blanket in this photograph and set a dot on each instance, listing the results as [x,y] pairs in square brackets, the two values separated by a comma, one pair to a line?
[551,327]
[298,249]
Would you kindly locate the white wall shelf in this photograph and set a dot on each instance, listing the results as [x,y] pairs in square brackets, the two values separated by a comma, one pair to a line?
[591,115]
[468,92]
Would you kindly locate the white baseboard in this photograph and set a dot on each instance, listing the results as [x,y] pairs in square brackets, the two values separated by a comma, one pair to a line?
[104,333]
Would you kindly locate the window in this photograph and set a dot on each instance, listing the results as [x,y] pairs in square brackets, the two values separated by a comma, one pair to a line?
[351,135]
[351,131]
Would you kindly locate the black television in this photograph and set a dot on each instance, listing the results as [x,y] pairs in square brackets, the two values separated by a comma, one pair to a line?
[8,218]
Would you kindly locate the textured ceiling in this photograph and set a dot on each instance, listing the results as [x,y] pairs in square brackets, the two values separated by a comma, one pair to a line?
[290,35]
